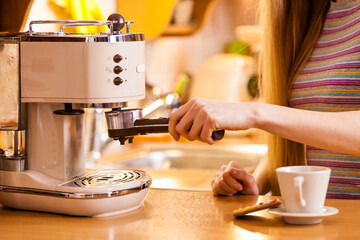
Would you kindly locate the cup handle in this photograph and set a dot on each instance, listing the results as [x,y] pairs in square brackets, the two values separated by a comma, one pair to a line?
[298,182]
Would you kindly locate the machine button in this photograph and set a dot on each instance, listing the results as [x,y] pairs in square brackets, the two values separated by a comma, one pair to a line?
[118,81]
[117,58]
[117,69]
[140,68]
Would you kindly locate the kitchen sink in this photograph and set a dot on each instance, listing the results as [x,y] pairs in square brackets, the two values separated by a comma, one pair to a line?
[162,156]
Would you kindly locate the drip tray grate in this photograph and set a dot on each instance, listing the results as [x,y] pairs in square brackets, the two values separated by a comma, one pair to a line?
[106,178]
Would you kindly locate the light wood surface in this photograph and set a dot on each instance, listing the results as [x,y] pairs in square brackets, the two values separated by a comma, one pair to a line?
[183,179]
[174,214]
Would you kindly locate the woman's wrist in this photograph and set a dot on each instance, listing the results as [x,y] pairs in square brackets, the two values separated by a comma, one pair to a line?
[256,115]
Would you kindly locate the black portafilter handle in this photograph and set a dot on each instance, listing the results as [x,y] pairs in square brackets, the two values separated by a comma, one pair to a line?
[144,126]
[217,134]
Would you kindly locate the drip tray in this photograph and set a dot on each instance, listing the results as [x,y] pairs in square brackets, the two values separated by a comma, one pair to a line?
[104,178]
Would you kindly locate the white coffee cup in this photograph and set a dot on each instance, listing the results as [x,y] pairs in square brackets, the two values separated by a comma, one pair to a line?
[303,188]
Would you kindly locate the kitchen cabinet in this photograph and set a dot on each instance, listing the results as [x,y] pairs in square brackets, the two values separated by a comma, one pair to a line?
[161,18]
[13,13]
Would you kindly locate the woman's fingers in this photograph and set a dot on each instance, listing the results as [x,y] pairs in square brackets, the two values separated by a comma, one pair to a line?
[197,126]
[175,118]
[247,180]
[224,183]
[222,188]
[207,130]
[184,125]
[204,116]
[192,121]
[231,179]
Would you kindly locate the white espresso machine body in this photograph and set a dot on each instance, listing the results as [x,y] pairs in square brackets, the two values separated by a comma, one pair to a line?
[82,72]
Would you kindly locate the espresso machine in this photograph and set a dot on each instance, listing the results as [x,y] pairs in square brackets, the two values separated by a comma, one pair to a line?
[47,79]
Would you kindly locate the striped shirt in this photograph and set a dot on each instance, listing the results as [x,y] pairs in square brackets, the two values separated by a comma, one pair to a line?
[330,82]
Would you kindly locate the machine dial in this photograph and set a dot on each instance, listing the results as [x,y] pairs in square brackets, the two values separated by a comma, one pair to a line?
[117,69]
[117,58]
[118,81]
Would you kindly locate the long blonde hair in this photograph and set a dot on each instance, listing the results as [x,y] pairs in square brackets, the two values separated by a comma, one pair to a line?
[291,29]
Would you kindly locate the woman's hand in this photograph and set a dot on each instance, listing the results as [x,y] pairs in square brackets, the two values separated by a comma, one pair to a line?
[198,118]
[232,179]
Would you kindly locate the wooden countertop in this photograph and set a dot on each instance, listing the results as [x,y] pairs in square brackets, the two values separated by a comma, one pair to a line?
[182,179]
[176,214]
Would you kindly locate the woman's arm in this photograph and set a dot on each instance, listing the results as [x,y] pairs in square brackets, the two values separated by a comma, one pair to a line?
[262,177]
[334,131]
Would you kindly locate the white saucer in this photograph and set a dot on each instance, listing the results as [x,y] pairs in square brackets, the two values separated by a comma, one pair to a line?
[303,218]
